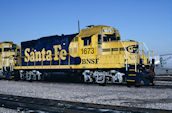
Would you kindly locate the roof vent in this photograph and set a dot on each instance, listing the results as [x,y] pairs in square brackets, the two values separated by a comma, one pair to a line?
[89,26]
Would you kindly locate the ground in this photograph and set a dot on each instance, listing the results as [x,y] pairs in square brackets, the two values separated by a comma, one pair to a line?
[142,97]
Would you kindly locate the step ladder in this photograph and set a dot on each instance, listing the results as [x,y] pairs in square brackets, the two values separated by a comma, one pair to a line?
[132,76]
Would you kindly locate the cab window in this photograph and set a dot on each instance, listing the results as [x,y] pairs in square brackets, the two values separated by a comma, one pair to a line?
[18,50]
[109,38]
[12,50]
[0,50]
[87,41]
[6,49]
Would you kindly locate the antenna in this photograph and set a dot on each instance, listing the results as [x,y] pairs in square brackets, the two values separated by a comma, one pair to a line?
[78,26]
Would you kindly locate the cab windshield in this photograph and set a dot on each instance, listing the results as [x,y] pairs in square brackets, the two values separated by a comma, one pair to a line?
[110,38]
[9,50]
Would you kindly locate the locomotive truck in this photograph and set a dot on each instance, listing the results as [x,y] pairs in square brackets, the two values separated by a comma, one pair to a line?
[94,55]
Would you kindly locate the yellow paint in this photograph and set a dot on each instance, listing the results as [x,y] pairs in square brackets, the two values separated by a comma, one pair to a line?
[43,54]
[49,55]
[131,69]
[56,47]
[63,54]
[38,56]
[131,74]
[32,57]
[26,59]
[130,80]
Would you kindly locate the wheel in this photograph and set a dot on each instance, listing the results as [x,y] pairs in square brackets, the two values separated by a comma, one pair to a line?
[43,76]
[142,82]
[16,76]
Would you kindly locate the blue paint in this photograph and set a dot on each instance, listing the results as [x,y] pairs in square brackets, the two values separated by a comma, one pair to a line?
[48,43]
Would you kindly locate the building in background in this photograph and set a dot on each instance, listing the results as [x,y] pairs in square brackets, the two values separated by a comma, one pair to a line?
[163,64]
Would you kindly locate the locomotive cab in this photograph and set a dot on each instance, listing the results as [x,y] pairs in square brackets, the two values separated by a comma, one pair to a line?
[104,56]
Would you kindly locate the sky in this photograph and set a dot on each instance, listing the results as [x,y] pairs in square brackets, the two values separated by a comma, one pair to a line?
[148,21]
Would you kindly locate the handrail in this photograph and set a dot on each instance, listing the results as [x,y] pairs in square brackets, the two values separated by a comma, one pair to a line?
[136,57]
[4,67]
[11,63]
[148,51]
[126,60]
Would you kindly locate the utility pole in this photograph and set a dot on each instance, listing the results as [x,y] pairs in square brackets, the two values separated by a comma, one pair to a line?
[78,26]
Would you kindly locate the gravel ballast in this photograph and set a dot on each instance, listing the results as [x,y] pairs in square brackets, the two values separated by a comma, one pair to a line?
[5,110]
[143,97]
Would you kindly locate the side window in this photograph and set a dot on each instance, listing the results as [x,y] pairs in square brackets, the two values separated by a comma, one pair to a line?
[99,39]
[0,50]
[18,51]
[118,38]
[14,46]
[87,41]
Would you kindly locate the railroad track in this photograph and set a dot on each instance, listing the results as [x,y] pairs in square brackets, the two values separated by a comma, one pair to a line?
[160,82]
[47,106]
[163,78]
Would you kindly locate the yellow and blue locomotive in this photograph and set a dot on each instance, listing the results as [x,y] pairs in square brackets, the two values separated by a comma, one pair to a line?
[9,53]
[95,54]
